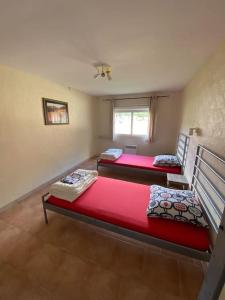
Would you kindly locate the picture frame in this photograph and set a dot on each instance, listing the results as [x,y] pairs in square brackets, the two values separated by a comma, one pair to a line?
[55,112]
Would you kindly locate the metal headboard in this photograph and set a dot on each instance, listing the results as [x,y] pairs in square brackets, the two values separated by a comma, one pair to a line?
[208,182]
[182,148]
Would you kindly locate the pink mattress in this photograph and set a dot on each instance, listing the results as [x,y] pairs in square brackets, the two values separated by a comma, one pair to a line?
[141,162]
[124,204]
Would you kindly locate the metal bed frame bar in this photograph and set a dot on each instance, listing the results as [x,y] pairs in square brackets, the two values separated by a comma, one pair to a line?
[182,148]
[215,276]
[210,167]
[211,185]
[196,182]
[206,209]
[213,154]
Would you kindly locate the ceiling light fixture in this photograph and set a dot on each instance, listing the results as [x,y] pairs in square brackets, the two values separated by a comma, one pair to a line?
[103,71]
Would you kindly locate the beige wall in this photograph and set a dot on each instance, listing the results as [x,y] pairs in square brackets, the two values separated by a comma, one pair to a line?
[204,107]
[222,296]
[31,152]
[166,127]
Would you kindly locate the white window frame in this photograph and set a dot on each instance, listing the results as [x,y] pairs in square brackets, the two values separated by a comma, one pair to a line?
[132,111]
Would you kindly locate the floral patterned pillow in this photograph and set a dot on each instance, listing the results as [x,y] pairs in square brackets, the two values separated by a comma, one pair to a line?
[178,205]
[166,160]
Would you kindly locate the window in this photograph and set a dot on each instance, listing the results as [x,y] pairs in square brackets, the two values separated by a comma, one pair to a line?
[133,121]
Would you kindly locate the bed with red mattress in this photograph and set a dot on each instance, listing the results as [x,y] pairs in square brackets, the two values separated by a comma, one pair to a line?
[124,204]
[120,206]
[141,162]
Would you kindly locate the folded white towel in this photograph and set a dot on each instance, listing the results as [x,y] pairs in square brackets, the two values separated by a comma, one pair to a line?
[71,191]
[111,154]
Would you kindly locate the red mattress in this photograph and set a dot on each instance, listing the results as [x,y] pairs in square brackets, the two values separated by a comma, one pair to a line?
[124,203]
[142,162]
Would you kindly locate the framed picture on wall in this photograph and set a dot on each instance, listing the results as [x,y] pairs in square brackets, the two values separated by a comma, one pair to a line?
[55,112]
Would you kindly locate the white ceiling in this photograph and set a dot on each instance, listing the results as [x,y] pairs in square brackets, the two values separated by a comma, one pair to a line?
[152,45]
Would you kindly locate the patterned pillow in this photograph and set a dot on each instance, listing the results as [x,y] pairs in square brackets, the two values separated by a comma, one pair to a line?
[179,205]
[166,160]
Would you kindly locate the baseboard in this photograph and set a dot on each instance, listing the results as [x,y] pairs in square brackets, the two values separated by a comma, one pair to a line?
[44,185]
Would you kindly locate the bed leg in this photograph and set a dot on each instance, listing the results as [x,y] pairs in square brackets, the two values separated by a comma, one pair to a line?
[44,209]
[45,215]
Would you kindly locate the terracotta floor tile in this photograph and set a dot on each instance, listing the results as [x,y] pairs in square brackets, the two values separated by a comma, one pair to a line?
[25,249]
[2,225]
[103,285]
[11,212]
[162,273]
[97,248]
[43,267]
[76,291]
[133,289]
[166,296]
[24,217]
[56,231]
[9,237]
[98,285]
[127,259]
[9,278]
[191,279]
[73,269]
[34,293]
[15,285]
[76,239]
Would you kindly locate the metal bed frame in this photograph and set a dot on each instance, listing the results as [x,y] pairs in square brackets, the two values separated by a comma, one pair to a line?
[209,184]
[182,148]
[181,153]
[215,276]
[207,188]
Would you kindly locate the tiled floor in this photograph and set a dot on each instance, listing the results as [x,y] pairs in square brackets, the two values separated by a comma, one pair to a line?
[67,259]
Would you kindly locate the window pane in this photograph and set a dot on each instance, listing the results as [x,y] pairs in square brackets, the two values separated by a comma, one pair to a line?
[123,122]
[140,122]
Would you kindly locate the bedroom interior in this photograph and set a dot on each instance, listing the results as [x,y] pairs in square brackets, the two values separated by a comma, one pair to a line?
[112,138]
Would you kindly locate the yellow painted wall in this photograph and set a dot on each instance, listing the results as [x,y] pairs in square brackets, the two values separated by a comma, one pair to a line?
[204,107]
[166,127]
[31,152]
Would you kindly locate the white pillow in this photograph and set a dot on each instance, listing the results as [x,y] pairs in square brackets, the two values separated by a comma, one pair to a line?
[111,154]
[166,160]
[178,205]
